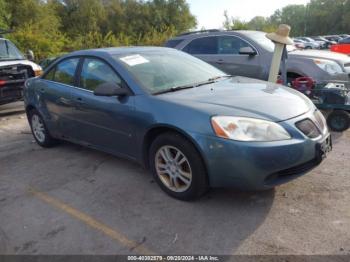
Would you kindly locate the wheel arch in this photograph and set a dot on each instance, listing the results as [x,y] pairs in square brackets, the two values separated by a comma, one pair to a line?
[157,130]
[29,108]
[292,73]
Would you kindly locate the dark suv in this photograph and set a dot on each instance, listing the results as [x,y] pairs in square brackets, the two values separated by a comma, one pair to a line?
[249,53]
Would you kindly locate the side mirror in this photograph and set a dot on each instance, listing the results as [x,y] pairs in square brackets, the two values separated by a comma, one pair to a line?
[110,89]
[247,51]
[30,55]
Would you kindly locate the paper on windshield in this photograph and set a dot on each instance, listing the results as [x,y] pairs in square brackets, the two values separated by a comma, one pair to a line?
[134,60]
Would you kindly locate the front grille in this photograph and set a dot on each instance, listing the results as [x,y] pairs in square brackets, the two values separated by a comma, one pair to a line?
[15,73]
[12,78]
[291,173]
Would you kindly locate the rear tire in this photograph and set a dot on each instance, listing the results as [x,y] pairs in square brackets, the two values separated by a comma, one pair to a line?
[39,130]
[338,121]
[177,167]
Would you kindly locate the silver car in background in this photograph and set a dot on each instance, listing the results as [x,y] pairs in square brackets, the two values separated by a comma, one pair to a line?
[249,53]
[317,44]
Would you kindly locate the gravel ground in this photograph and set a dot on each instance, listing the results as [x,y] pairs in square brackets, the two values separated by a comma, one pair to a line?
[73,200]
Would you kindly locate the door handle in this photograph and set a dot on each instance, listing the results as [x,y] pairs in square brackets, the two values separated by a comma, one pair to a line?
[80,100]
[65,101]
[42,90]
[79,103]
[220,61]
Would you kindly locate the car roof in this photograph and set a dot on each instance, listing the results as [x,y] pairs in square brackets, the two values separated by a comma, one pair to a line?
[119,50]
[212,32]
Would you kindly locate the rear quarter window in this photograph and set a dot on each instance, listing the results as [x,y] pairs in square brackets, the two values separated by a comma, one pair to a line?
[173,43]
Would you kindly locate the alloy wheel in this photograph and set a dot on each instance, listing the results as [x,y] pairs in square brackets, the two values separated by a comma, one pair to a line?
[38,128]
[173,169]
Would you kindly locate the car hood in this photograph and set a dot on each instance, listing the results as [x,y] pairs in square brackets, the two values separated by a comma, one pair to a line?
[240,96]
[340,58]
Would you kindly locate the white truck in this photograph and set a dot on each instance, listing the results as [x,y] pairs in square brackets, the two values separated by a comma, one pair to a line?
[15,69]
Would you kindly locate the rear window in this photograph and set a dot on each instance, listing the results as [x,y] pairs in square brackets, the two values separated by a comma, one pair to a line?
[205,45]
[173,43]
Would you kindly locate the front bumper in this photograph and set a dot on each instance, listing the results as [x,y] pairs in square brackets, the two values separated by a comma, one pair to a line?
[11,92]
[260,165]
[12,78]
[327,78]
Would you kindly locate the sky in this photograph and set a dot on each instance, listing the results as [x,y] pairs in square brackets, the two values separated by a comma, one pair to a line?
[210,13]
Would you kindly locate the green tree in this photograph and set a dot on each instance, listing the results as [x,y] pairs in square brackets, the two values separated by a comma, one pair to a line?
[35,25]
[293,15]
[232,23]
[319,17]
[79,17]
[326,17]
[50,27]
[4,15]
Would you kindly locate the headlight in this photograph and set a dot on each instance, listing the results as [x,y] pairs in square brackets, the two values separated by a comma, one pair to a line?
[308,128]
[38,72]
[329,66]
[248,129]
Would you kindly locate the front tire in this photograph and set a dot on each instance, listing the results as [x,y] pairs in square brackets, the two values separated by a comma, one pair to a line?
[338,121]
[39,130]
[178,167]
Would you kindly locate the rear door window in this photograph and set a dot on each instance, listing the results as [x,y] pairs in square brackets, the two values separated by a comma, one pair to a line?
[203,46]
[63,72]
[96,72]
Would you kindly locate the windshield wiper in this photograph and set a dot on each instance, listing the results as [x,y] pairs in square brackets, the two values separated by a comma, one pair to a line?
[219,77]
[174,89]
[177,88]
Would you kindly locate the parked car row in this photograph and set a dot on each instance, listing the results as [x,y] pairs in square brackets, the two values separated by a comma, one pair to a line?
[320,42]
[337,38]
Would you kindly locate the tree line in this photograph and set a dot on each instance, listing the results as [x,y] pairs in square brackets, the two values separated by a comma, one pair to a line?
[53,27]
[318,17]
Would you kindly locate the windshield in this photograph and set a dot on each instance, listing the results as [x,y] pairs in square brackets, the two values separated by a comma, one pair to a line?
[9,51]
[264,42]
[261,39]
[159,71]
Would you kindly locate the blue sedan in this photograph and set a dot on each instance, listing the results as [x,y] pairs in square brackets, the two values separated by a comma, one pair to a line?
[193,126]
